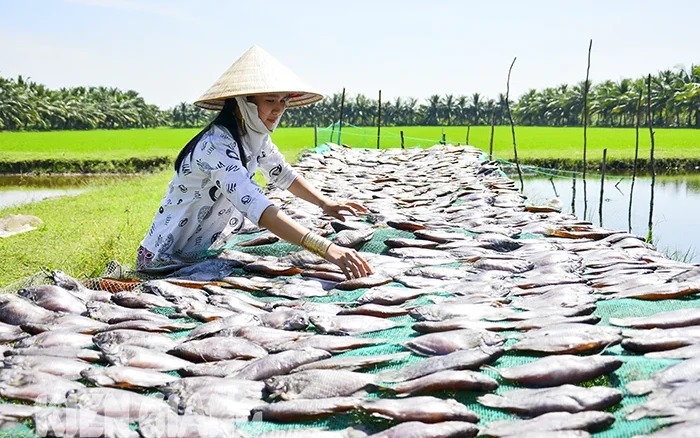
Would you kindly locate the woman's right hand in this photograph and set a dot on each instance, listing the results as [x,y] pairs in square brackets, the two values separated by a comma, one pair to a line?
[349,260]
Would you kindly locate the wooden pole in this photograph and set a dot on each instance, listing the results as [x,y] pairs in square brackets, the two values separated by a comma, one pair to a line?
[603,165]
[512,128]
[401,139]
[469,127]
[636,158]
[340,116]
[573,195]
[379,119]
[586,87]
[651,162]
[493,123]
[315,135]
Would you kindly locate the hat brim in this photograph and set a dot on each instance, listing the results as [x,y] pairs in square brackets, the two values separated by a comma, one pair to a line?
[297,99]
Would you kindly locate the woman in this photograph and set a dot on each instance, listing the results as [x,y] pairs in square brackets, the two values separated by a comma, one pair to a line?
[213,189]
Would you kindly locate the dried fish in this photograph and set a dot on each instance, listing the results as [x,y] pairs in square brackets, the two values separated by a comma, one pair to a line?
[553,421]
[113,402]
[377,310]
[279,363]
[139,338]
[142,357]
[561,369]
[217,348]
[389,295]
[136,300]
[54,298]
[59,366]
[426,409]
[332,344]
[126,377]
[658,339]
[459,360]
[313,384]
[568,338]
[351,363]
[450,380]
[566,398]
[451,341]
[304,409]
[71,422]
[417,429]
[170,425]
[349,324]
[373,280]
[671,319]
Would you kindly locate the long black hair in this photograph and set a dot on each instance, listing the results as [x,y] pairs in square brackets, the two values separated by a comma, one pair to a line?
[226,118]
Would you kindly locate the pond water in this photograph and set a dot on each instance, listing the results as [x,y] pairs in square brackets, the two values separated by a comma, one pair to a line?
[674,206]
[16,190]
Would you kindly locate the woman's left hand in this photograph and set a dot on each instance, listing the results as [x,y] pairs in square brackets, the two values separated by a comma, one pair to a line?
[336,209]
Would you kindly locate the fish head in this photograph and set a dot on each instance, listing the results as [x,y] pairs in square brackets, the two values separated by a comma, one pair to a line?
[276,386]
[298,320]
[73,398]
[104,338]
[97,376]
[27,293]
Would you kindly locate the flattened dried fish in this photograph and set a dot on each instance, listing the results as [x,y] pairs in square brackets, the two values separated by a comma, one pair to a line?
[561,369]
[279,363]
[319,384]
[58,338]
[390,295]
[272,268]
[142,357]
[332,344]
[220,368]
[285,319]
[113,402]
[681,401]
[349,324]
[171,425]
[566,398]
[459,360]
[449,342]
[426,409]
[553,421]
[674,318]
[139,338]
[217,348]
[644,341]
[682,373]
[353,238]
[417,429]
[137,300]
[126,377]
[16,310]
[70,422]
[373,280]
[351,363]
[378,310]
[172,292]
[59,366]
[53,298]
[568,338]
[300,410]
[268,338]
[451,380]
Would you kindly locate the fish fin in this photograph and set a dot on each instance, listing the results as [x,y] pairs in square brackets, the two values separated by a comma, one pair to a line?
[388,376]
[636,413]
[490,368]
[640,387]
[620,322]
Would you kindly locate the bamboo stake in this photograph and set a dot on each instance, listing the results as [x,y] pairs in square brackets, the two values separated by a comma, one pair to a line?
[602,185]
[315,135]
[651,162]
[401,139]
[469,127]
[340,117]
[512,128]
[379,118]
[586,87]
[636,158]
[493,123]
[573,195]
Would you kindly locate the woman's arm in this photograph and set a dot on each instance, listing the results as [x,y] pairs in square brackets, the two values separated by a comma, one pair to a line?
[302,189]
[280,224]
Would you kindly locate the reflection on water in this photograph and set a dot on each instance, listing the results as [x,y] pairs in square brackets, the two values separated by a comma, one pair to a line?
[16,190]
[675,211]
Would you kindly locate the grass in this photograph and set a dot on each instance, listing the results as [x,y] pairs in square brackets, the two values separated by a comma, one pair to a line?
[533,142]
[82,233]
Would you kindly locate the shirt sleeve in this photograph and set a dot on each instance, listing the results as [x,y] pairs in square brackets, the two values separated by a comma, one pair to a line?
[273,165]
[232,178]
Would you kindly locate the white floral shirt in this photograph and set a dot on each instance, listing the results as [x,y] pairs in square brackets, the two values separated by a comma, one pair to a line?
[208,199]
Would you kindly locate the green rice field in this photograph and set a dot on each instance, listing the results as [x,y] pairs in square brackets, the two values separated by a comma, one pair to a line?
[532,142]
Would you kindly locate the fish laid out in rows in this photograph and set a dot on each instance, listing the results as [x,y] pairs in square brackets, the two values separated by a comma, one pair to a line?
[468,276]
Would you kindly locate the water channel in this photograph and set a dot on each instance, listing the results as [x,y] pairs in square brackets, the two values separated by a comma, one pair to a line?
[670,213]
[674,206]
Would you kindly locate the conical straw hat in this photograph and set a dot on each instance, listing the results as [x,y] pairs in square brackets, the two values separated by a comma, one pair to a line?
[258,72]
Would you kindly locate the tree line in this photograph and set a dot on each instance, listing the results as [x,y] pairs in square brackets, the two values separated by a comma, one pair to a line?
[674,102]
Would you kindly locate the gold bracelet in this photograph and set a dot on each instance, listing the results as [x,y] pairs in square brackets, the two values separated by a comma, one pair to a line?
[316,244]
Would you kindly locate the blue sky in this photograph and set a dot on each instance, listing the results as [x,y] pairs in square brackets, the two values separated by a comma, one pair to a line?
[172,50]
